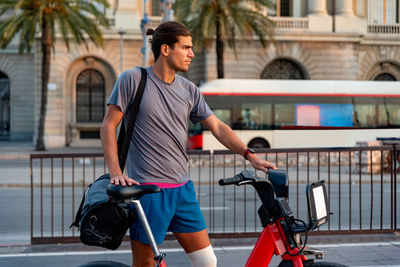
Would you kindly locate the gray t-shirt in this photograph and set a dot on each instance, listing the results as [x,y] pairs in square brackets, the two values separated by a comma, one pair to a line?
[157,153]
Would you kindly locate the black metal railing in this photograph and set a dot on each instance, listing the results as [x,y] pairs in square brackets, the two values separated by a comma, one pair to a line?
[361,184]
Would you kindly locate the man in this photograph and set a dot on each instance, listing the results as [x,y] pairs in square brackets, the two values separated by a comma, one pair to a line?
[158,148]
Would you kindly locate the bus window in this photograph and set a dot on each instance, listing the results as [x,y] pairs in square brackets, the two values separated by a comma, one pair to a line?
[194,128]
[224,115]
[256,116]
[308,115]
[389,115]
[394,114]
[364,115]
[327,115]
[284,115]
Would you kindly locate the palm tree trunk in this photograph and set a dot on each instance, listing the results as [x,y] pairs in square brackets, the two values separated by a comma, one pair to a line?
[46,55]
[220,49]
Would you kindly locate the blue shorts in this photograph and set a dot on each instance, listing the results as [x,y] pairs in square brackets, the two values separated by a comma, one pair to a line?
[173,210]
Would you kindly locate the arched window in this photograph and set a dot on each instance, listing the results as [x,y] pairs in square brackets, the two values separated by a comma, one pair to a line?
[384,71]
[282,69]
[4,106]
[385,77]
[90,94]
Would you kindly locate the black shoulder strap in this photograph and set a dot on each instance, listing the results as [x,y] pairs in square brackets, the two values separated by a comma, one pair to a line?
[125,137]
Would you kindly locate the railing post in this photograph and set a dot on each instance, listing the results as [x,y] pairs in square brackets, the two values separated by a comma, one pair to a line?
[31,165]
[395,160]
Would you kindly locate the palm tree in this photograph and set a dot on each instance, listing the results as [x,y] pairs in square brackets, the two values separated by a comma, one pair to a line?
[223,20]
[75,20]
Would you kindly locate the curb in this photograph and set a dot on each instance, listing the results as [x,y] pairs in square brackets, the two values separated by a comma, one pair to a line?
[14,157]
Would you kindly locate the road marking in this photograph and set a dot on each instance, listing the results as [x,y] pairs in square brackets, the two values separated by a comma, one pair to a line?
[172,250]
[366,244]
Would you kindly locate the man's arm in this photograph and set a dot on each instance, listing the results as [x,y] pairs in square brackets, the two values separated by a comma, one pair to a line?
[228,138]
[108,137]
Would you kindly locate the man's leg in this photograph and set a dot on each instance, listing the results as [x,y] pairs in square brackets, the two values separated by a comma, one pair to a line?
[189,228]
[198,248]
[159,211]
[193,241]
[142,255]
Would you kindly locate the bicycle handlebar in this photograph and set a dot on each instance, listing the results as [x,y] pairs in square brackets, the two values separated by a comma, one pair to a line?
[241,178]
[228,181]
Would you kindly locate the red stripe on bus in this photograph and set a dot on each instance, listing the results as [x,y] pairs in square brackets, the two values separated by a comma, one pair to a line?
[296,94]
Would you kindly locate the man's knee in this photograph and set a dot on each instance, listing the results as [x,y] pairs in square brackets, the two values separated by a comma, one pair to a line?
[203,258]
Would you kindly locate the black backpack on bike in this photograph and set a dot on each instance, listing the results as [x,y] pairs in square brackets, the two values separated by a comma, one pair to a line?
[101,222]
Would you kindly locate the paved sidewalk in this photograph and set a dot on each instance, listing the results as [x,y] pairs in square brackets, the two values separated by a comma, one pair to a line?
[351,250]
[13,150]
[15,164]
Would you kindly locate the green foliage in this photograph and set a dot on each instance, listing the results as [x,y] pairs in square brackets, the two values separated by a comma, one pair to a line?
[235,17]
[77,20]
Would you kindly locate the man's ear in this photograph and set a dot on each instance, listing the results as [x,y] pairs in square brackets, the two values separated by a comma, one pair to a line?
[164,50]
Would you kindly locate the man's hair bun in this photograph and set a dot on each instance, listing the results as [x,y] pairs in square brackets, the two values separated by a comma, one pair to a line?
[150,31]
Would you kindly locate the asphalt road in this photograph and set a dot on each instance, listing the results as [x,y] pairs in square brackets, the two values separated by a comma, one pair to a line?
[225,209]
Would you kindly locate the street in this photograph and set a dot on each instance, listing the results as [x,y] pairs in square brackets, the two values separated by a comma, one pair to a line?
[226,209]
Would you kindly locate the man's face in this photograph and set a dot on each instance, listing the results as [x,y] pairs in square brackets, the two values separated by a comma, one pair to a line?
[181,54]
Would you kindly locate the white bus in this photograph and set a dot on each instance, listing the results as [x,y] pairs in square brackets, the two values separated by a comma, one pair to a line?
[301,113]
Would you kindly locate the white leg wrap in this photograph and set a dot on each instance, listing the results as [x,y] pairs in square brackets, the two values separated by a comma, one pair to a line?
[203,258]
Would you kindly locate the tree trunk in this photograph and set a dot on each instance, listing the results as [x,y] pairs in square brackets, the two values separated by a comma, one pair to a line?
[46,55]
[220,49]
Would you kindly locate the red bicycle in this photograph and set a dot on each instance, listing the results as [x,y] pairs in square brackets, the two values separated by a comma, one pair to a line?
[282,232]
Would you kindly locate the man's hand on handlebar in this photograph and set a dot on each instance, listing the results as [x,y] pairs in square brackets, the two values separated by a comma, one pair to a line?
[260,164]
[122,179]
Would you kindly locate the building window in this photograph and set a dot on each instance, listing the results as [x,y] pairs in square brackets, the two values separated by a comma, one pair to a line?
[383,11]
[4,106]
[282,69]
[90,96]
[283,8]
[155,8]
[385,77]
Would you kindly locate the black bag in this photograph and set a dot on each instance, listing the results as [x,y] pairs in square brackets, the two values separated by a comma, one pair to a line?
[102,222]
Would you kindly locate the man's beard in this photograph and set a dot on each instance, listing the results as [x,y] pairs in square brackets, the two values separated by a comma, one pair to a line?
[178,68]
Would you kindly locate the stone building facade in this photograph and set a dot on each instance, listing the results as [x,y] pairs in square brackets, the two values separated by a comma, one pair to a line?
[314,39]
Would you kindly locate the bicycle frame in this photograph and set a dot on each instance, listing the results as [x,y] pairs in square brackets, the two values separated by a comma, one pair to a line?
[280,227]
[131,195]
[158,257]
[272,241]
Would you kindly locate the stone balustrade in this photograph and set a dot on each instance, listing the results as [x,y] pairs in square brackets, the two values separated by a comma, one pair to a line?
[290,23]
[383,28]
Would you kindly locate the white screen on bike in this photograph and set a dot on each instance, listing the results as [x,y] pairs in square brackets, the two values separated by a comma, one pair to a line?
[319,200]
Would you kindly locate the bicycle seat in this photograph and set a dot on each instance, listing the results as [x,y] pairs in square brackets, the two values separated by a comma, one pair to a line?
[120,193]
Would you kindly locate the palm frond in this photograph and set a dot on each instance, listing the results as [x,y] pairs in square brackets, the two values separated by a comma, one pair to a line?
[76,20]
[236,17]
